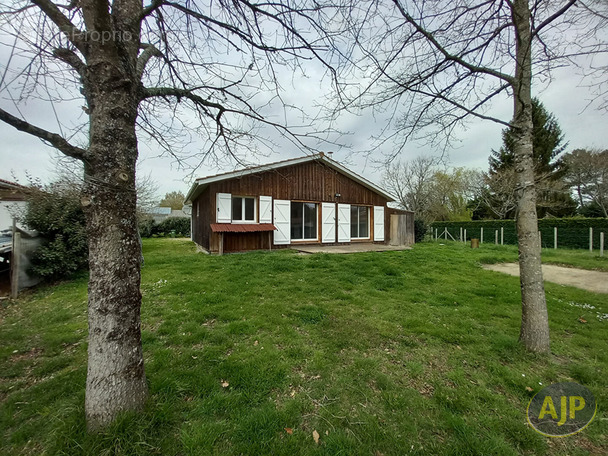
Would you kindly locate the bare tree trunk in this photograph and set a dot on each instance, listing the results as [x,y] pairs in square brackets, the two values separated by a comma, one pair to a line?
[116,379]
[534,332]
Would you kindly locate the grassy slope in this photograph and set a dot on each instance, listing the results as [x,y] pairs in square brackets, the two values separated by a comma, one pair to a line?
[410,352]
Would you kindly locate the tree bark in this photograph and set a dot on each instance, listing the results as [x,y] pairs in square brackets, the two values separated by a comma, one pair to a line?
[534,332]
[116,379]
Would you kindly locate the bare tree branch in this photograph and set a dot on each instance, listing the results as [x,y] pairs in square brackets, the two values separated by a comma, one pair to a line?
[52,138]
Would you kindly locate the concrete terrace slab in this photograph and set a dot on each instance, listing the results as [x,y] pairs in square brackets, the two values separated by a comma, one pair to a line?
[594,281]
[350,248]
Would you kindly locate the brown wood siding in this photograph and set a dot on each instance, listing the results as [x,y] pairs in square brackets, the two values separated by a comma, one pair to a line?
[311,181]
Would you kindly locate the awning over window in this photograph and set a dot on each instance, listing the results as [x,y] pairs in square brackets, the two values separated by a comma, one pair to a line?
[241,227]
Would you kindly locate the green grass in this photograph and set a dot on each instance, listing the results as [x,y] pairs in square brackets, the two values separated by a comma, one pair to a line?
[392,353]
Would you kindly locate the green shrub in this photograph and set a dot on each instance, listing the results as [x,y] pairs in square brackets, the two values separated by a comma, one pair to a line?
[146,228]
[173,226]
[55,212]
[420,229]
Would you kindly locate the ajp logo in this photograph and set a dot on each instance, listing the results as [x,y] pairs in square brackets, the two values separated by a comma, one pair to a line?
[561,409]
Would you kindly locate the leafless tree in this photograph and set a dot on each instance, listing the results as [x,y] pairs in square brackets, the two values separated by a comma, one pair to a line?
[167,69]
[591,51]
[411,182]
[435,64]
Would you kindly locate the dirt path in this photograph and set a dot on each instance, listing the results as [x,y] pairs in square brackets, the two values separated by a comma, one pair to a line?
[595,281]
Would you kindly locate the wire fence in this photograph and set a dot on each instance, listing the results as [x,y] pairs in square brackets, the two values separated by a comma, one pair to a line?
[553,233]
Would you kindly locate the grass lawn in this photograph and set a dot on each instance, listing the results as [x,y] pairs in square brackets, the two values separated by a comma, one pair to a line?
[391,353]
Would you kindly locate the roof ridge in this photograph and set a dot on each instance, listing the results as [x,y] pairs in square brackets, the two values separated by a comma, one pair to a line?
[252,168]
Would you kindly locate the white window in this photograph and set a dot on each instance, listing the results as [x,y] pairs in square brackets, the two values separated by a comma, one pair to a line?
[304,221]
[359,222]
[243,209]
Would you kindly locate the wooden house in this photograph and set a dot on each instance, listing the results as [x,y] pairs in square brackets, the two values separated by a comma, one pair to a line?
[308,200]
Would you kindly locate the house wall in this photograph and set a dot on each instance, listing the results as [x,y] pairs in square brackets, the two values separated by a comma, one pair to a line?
[311,181]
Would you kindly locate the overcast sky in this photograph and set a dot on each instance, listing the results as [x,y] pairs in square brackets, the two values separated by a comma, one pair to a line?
[22,154]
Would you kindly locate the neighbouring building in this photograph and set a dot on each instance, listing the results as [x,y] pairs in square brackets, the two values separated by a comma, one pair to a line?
[12,201]
[158,214]
[308,200]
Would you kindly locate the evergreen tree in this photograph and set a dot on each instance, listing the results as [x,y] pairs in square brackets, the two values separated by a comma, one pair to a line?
[553,196]
[548,143]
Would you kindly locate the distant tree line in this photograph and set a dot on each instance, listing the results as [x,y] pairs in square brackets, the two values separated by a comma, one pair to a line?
[567,184]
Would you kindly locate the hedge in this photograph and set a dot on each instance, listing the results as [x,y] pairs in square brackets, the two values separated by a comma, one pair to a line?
[171,226]
[571,232]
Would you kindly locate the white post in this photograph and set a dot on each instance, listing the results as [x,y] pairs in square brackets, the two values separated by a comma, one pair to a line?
[601,243]
[591,240]
[460,234]
[15,263]
[502,236]
[540,239]
[555,237]
[481,240]
[465,235]
[435,233]
[496,237]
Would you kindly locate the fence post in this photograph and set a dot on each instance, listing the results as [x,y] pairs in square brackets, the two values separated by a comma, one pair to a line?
[555,237]
[460,234]
[601,243]
[465,236]
[15,264]
[540,239]
[435,233]
[502,236]
[496,237]
[481,237]
[590,239]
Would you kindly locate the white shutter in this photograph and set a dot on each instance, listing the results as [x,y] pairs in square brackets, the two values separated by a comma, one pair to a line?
[224,207]
[328,227]
[265,209]
[282,222]
[378,223]
[343,222]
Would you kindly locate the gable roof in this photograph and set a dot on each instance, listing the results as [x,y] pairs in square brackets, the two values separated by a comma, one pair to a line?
[200,184]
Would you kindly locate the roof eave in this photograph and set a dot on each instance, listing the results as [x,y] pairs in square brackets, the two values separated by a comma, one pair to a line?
[200,184]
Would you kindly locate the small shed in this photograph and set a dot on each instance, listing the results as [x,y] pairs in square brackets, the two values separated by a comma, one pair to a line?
[307,200]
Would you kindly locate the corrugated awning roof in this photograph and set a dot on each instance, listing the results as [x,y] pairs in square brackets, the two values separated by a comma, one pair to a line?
[241,227]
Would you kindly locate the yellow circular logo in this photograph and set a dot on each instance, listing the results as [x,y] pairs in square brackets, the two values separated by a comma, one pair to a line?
[561,409]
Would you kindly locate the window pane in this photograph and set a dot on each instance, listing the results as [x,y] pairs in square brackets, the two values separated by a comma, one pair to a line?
[249,209]
[354,221]
[310,221]
[237,208]
[364,222]
[297,221]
